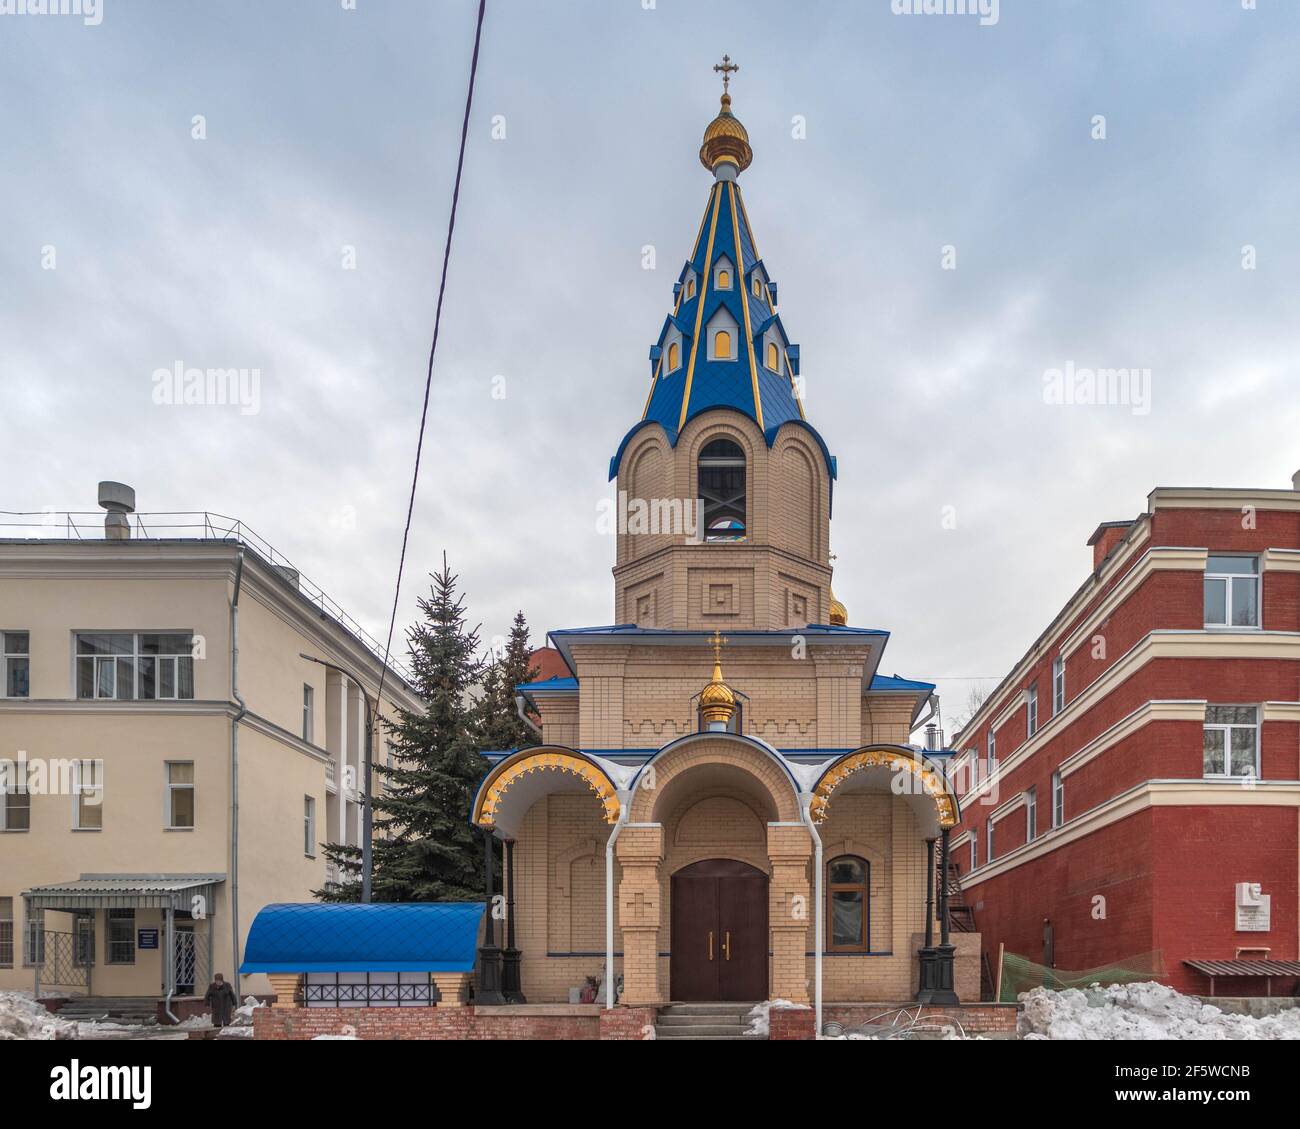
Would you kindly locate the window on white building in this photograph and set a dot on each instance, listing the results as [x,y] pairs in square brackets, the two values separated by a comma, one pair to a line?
[1058,800]
[6,932]
[309,826]
[120,947]
[153,665]
[1231,741]
[15,665]
[1058,685]
[88,796]
[1031,815]
[16,809]
[308,713]
[1032,709]
[1232,592]
[180,794]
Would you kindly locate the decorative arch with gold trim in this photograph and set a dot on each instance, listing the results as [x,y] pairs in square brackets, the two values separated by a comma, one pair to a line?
[895,757]
[512,770]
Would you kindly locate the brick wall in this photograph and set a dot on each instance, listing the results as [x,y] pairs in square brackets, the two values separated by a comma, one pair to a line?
[428,1023]
[1164,879]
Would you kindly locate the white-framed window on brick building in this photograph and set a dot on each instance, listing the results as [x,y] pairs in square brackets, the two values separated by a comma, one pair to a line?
[1232,591]
[1031,815]
[974,849]
[1231,741]
[1031,710]
[992,759]
[15,664]
[988,840]
[1058,800]
[6,932]
[1058,685]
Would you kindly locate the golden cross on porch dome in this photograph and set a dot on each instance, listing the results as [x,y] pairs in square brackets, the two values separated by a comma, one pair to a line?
[726,68]
[719,641]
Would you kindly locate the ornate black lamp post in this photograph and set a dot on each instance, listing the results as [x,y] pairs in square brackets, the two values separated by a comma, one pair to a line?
[511,976]
[489,955]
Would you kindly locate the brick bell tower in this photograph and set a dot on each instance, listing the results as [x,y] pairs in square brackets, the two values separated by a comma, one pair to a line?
[724,487]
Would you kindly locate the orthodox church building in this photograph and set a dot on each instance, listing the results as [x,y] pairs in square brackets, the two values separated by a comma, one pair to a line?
[726,804]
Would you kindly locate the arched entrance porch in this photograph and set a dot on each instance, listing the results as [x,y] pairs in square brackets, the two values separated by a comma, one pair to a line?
[719,934]
[729,802]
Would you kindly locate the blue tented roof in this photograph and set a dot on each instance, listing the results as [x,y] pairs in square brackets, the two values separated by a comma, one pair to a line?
[327,937]
[744,384]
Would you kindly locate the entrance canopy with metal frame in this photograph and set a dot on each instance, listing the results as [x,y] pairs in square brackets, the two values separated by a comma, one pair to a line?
[126,891]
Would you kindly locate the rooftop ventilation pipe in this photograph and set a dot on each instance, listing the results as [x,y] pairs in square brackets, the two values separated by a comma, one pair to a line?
[119,500]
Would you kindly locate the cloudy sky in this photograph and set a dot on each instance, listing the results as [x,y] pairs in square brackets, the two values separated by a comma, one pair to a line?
[128,244]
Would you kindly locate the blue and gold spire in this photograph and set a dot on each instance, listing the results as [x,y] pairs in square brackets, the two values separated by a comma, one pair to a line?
[723,344]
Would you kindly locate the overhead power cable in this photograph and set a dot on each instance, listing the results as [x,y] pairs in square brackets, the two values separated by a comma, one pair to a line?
[433,348]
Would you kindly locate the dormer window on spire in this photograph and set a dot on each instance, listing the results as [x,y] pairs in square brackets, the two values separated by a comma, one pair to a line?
[722,273]
[673,358]
[773,356]
[690,287]
[721,336]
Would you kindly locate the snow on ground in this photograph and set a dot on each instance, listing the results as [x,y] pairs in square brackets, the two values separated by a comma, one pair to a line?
[21,1017]
[241,1020]
[760,1016]
[1141,1011]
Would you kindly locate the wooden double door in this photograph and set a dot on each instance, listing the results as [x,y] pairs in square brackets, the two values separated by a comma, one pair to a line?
[719,933]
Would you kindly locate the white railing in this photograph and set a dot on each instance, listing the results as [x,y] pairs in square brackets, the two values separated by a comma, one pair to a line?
[199,525]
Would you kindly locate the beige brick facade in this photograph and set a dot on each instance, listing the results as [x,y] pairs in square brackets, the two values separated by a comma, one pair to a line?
[682,797]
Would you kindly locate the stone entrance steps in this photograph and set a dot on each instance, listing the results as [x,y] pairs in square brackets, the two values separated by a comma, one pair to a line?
[705,1021]
[115,1009]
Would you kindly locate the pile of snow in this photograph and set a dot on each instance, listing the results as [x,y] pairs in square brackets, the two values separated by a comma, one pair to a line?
[760,1016]
[21,1017]
[348,1033]
[241,1020]
[1141,1011]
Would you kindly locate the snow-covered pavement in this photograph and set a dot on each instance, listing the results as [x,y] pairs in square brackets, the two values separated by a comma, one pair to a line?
[21,1017]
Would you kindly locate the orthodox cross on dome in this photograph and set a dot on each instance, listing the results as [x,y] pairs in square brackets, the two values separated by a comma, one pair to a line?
[727,68]
[718,642]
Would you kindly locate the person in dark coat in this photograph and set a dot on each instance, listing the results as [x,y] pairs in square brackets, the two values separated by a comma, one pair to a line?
[220,998]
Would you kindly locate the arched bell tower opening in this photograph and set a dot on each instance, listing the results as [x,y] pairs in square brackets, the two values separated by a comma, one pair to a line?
[720,484]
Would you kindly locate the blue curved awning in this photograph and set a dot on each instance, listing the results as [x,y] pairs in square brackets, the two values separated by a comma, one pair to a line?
[329,937]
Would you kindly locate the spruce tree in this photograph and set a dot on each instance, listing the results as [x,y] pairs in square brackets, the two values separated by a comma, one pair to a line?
[425,849]
[503,729]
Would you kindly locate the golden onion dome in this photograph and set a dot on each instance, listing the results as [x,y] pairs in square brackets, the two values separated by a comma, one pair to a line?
[717,699]
[726,141]
[839,613]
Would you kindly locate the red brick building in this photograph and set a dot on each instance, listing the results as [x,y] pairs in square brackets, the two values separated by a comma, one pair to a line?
[1133,786]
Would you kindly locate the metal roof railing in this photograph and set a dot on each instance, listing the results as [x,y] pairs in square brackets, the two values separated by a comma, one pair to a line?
[186,525]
